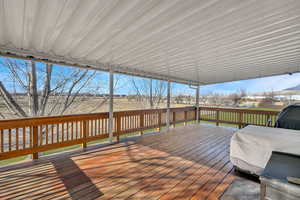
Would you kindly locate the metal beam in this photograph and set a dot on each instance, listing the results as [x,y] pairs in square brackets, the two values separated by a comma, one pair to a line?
[197,103]
[59,60]
[111,105]
[168,104]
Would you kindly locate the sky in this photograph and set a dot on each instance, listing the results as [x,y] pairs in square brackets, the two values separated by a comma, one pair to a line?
[274,83]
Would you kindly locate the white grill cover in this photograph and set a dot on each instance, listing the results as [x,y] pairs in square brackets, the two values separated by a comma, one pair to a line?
[253,145]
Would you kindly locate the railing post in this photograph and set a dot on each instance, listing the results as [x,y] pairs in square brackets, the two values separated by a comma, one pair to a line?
[240,120]
[35,139]
[174,119]
[142,123]
[118,131]
[217,117]
[84,134]
[185,118]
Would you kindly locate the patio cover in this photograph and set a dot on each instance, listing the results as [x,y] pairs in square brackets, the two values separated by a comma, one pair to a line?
[191,41]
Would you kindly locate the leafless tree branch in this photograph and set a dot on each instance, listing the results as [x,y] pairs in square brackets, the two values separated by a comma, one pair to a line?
[11,103]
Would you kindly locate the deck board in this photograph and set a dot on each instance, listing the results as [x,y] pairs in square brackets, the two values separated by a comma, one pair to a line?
[189,162]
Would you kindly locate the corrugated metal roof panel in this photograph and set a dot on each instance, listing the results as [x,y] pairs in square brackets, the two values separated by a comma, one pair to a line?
[191,41]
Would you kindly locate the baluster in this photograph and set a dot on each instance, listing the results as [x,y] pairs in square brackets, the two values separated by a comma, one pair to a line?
[185,118]
[57,133]
[17,138]
[270,117]
[2,140]
[47,134]
[63,132]
[217,117]
[67,131]
[24,137]
[76,127]
[118,131]
[142,122]
[9,139]
[72,130]
[84,133]
[35,138]
[240,120]
[174,119]
[41,135]
[159,120]
[98,121]
[52,133]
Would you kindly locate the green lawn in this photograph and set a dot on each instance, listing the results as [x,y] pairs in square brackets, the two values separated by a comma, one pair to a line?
[12,160]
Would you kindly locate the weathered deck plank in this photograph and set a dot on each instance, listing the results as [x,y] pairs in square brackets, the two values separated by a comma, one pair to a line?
[189,162]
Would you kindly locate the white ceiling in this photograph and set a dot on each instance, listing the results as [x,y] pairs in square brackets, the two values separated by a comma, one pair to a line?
[189,41]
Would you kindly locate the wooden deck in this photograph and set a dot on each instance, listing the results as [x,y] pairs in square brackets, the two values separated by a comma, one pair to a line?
[190,162]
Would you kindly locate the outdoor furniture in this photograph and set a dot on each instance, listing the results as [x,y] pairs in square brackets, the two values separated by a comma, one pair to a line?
[289,117]
[274,179]
[251,147]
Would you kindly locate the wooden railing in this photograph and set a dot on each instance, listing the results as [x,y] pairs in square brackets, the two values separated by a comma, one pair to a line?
[32,135]
[239,117]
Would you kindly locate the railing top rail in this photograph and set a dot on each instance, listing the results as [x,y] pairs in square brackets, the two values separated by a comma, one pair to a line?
[242,110]
[35,121]
[44,120]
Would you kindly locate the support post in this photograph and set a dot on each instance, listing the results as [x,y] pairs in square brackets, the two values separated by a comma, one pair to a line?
[197,104]
[111,103]
[168,104]
[151,94]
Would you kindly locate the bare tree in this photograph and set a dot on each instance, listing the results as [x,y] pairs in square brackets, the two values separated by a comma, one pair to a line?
[237,96]
[147,90]
[269,96]
[46,94]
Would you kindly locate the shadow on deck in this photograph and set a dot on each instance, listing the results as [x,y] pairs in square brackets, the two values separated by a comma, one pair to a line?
[190,162]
